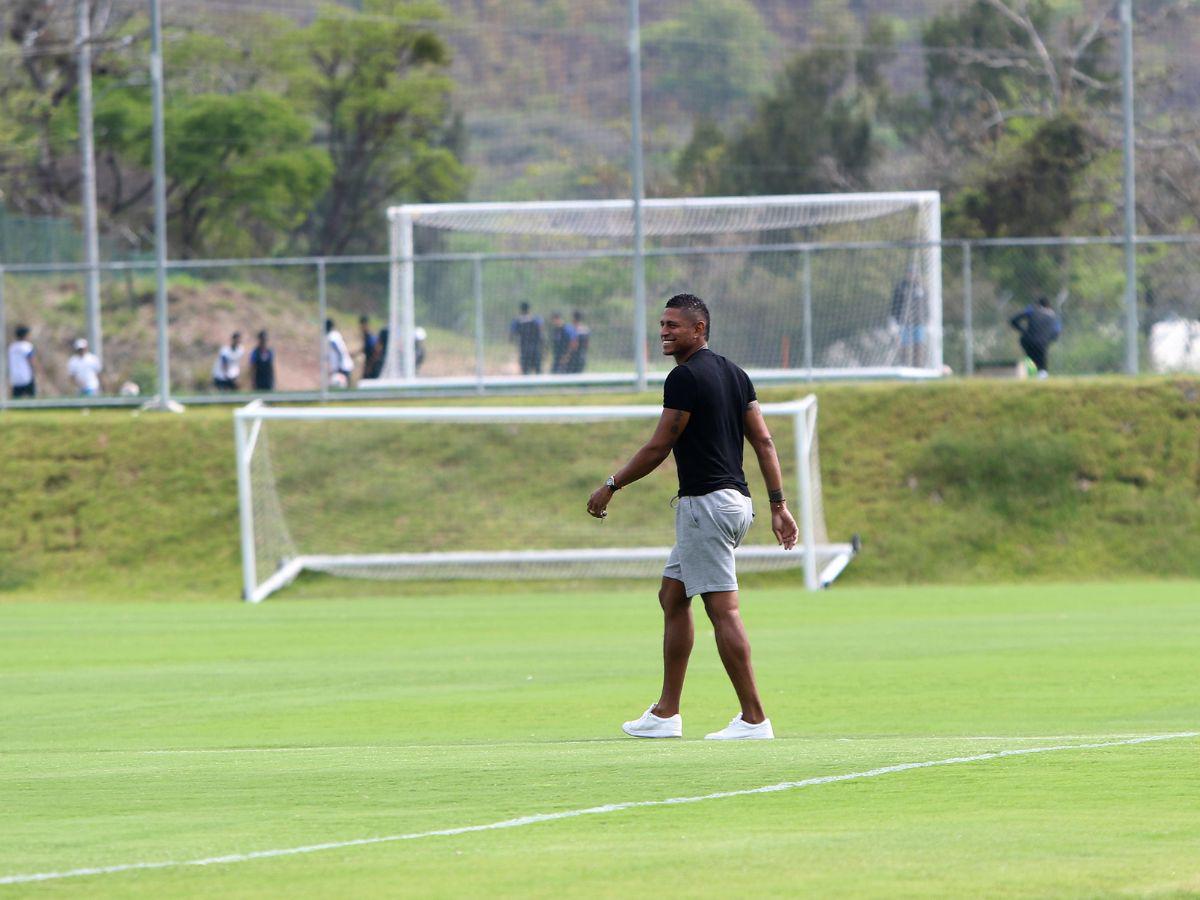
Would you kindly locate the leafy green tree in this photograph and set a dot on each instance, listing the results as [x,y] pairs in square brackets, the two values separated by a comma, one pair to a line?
[814,133]
[1029,190]
[376,83]
[243,172]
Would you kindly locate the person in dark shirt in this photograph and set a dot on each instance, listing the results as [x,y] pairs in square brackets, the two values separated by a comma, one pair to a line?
[1040,327]
[577,350]
[908,316]
[372,357]
[262,364]
[709,409]
[526,330]
[560,343]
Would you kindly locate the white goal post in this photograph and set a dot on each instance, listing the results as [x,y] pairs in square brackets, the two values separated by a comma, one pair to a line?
[381,492]
[804,286]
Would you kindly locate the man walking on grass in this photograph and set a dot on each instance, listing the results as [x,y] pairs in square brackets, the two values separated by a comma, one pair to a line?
[709,408]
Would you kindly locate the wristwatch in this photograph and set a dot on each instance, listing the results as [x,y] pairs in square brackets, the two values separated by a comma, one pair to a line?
[611,483]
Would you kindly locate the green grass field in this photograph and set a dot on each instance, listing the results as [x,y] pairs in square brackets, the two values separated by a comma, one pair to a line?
[147,733]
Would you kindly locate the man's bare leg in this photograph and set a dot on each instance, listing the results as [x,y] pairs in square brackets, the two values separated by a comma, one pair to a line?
[734,648]
[678,636]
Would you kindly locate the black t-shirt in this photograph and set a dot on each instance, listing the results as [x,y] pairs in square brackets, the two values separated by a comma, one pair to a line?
[716,392]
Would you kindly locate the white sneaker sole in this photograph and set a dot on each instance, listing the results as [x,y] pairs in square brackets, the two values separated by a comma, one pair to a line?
[744,733]
[650,734]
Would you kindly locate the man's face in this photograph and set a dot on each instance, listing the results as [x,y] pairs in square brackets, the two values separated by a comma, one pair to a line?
[680,331]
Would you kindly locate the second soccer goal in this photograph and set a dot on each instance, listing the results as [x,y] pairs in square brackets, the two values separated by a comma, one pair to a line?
[487,493]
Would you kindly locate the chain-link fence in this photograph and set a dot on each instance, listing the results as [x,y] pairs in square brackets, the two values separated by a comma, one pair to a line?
[793,313]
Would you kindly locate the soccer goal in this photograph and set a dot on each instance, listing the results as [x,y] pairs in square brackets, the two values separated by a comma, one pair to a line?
[487,493]
[801,287]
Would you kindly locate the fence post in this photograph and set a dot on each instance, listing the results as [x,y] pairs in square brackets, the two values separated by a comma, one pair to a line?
[477,267]
[322,315]
[968,313]
[808,313]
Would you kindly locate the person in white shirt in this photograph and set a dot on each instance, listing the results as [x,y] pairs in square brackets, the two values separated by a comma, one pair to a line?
[84,369]
[338,361]
[21,365]
[228,364]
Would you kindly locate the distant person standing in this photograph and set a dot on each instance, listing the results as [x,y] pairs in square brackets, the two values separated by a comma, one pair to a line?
[228,364]
[419,336]
[21,374]
[371,352]
[1040,327]
[560,343]
[581,336]
[84,369]
[526,331]
[338,363]
[908,315]
[262,364]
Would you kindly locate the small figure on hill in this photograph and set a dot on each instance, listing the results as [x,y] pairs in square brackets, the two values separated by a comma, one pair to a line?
[228,364]
[560,342]
[22,364]
[419,335]
[577,350]
[339,364]
[84,368]
[1040,327]
[262,364]
[526,332]
[371,351]
[908,316]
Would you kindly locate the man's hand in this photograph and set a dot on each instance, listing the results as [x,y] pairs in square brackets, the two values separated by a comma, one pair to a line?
[598,502]
[784,526]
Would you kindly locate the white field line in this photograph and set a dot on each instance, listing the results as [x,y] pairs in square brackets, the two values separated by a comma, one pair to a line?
[340,748]
[575,813]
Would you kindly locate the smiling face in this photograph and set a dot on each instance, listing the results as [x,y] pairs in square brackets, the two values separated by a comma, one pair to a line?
[681,333]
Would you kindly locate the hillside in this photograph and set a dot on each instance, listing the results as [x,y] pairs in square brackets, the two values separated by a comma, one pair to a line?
[952,482]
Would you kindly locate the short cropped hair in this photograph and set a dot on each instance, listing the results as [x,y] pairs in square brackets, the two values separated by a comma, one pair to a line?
[695,306]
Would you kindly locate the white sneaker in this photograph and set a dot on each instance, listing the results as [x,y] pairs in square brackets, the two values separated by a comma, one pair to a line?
[737,730]
[652,726]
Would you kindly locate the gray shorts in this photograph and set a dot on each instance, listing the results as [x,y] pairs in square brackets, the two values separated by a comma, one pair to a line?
[707,529]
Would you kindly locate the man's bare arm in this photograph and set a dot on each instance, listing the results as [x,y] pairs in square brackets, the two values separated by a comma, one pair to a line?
[645,460]
[760,439]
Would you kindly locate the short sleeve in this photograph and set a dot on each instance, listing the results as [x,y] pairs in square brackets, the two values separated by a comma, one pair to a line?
[679,390]
[747,388]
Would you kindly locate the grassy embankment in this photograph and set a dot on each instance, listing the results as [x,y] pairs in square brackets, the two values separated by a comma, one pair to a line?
[953,482]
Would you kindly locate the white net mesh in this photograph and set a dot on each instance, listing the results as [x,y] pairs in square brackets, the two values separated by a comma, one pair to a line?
[825,285]
[660,217]
[367,495]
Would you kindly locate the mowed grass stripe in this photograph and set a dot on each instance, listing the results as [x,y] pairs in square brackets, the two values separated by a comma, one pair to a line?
[539,818]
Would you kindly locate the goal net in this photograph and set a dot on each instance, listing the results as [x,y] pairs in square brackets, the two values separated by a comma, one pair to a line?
[487,492]
[800,286]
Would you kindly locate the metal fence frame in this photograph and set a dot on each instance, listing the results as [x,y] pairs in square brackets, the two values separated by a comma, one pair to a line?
[424,386]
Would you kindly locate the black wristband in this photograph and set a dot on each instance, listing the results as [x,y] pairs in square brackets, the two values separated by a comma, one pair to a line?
[776,496]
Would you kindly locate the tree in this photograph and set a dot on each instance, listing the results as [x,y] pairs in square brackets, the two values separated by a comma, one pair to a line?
[242,172]
[814,133]
[377,86]
[38,137]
